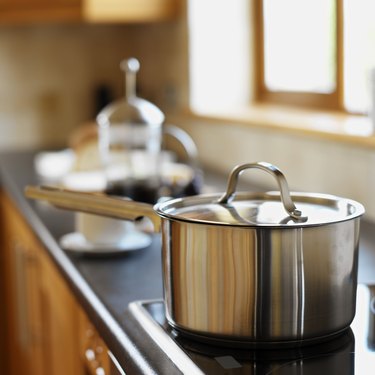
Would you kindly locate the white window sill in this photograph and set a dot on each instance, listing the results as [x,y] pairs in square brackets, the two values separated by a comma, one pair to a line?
[336,126]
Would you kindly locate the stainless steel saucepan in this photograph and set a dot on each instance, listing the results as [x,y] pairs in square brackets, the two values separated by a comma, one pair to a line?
[258,268]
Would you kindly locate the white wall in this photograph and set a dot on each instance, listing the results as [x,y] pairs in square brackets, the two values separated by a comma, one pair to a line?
[309,164]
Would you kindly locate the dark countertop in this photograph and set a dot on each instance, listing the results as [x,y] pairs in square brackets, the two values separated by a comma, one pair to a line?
[104,286]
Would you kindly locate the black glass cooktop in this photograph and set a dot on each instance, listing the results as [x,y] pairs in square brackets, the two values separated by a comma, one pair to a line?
[350,353]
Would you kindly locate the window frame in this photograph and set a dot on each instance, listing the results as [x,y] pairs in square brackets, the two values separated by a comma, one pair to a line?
[329,101]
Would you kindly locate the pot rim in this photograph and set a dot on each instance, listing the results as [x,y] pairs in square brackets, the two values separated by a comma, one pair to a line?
[183,209]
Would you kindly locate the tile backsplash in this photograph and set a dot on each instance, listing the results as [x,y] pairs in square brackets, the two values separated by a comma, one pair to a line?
[48,78]
[49,75]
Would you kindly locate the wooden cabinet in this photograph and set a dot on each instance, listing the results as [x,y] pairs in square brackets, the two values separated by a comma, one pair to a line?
[59,325]
[129,10]
[44,330]
[116,11]
[37,11]
[22,280]
[41,313]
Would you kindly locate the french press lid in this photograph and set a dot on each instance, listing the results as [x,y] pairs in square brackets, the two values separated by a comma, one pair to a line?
[130,109]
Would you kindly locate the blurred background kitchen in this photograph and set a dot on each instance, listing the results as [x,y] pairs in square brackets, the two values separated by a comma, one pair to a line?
[247,80]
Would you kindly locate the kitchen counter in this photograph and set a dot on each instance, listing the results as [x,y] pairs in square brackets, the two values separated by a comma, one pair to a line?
[104,286]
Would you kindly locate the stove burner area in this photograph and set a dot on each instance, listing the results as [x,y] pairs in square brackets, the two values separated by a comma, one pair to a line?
[352,352]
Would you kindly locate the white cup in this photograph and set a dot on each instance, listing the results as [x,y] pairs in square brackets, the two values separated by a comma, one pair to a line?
[100,230]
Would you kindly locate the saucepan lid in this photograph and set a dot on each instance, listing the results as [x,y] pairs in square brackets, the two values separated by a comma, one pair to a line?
[271,209]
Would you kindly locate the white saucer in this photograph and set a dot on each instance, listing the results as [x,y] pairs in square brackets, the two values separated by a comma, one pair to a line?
[77,243]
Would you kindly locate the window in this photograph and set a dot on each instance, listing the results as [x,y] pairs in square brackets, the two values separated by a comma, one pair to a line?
[311,53]
[219,53]
[359,54]
[316,53]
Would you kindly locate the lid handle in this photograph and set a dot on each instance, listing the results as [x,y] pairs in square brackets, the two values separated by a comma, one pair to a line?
[286,199]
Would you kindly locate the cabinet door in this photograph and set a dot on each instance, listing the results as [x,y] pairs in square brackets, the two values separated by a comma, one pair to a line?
[42,329]
[60,324]
[22,270]
[117,11]
[24,4]
[39,11]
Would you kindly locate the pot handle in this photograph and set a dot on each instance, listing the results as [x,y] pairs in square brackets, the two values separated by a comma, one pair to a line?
[94,203]
[187,143]
[286,199]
